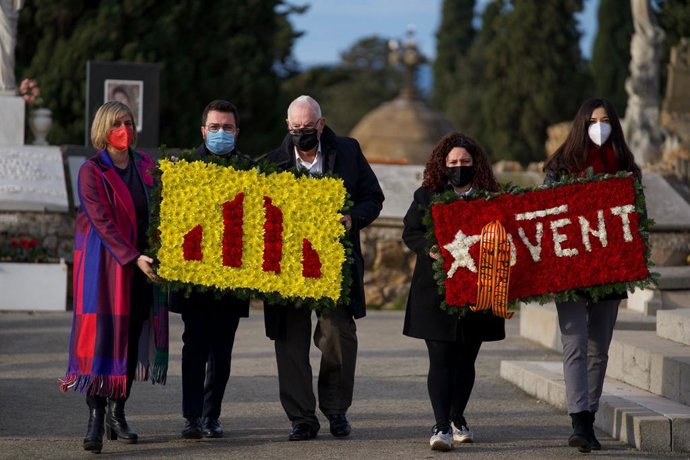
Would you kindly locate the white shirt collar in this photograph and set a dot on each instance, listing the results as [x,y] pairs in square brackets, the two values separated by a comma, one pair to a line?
[316,166]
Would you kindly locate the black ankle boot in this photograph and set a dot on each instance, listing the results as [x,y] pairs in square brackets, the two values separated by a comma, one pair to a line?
[94,433]
[116,424]
[581,427]
[596,445]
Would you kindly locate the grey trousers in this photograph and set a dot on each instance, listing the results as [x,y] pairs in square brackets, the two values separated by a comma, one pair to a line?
[336,336]
[586,331]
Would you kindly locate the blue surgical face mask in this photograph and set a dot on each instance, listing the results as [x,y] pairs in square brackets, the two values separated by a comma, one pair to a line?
[220,142]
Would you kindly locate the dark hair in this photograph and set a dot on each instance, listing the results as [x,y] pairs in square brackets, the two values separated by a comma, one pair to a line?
[571,157]
[220,105]
[120,89]
[435,170]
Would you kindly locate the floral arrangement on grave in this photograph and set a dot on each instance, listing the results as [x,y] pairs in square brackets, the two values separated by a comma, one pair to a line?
[30,91]
[250,230]
[584,237]
[25,249]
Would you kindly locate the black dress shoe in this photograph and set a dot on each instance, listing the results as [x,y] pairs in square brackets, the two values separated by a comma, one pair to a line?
[302,432]
[211,428]
[192,428]
[340,427]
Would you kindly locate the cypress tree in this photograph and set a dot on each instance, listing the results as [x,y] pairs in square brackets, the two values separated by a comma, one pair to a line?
[534,76]
[611,51]
[453,40]
[464,103]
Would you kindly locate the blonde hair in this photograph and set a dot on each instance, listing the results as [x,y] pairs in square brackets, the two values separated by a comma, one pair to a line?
[103,122]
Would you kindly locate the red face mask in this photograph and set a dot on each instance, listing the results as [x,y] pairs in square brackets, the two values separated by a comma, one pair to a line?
[121,137]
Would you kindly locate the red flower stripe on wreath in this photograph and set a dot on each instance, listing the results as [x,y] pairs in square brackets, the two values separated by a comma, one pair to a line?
[273,237]
[191,245]
[233,218]
[311,263]
[563,238]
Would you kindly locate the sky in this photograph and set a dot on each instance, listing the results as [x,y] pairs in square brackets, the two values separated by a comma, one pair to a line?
[333,26]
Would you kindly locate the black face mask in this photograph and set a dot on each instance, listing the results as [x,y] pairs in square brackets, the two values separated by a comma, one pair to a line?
[305,140]
[460,176]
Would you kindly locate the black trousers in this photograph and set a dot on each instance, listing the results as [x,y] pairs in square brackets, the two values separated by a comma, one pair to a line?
[336,336]
[141,300]
[451,377]
[208,338]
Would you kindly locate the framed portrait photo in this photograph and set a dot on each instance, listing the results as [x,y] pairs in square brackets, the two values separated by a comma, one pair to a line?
[130,93]
[134,84]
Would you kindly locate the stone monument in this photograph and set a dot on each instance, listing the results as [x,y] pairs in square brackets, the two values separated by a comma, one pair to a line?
[642,124]
[12,107]
[9,15]
[675,114]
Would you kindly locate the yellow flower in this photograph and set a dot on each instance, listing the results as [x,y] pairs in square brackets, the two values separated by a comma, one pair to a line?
[193,194]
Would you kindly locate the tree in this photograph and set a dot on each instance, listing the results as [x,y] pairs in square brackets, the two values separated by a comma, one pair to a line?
[464,101]
[453,41]
[362,80]
[611,52]
[534,76]
[227,49]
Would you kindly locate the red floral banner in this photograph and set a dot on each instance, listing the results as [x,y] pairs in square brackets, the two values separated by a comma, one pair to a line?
[563,238]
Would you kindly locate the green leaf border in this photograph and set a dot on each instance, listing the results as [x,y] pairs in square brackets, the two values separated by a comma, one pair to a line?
[267,168]
[594,293]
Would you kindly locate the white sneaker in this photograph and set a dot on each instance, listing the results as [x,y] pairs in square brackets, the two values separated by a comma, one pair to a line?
[441,441]
[462,434]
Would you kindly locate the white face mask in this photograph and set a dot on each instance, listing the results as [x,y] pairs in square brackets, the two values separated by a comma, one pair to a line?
[599,132]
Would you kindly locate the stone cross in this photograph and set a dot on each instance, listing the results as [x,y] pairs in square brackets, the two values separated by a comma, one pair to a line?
[642,124]
[9,15]
[408,54]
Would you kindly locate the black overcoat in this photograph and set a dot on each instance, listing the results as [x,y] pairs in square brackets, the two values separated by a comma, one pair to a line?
[424,318]
[343,157]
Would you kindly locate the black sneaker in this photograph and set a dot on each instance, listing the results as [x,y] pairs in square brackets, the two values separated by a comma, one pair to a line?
[340,427]
[192,428]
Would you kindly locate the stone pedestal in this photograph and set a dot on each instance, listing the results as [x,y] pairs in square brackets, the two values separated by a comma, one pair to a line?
[12,116]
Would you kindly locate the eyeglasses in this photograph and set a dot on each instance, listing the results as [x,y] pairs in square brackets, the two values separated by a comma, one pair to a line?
[310,128]
[118,123]
[298,131]
[214,128]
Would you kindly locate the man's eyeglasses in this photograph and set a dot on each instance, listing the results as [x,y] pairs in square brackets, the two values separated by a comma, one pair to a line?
[305,131]
[214,128]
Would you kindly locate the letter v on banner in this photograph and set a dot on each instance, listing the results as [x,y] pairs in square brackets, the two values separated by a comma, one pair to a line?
[560,255]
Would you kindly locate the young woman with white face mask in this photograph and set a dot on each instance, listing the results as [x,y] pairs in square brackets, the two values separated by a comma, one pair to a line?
[595,143]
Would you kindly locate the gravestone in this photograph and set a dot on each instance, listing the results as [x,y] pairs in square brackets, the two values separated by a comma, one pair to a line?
[398,183]
[32,179]
[12,115]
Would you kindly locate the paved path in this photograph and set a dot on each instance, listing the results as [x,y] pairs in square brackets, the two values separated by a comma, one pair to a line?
[391,415]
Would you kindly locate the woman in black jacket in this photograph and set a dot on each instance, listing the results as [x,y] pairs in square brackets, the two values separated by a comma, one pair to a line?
[457,163]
